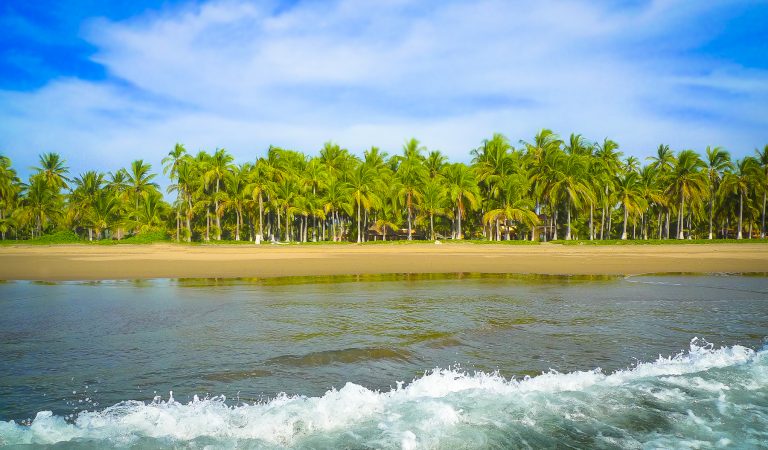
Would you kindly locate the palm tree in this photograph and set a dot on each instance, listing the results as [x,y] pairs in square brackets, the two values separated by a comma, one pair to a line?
[235,195]
[215,171]
[87,188]
[140,182]
[362,182]
[663,163]
[608,159]
[738,182]
[41,204]
[515,206]
[688,181]
[539,155]
[434,163]
[433,202]
[260,185]
[718,161]
[762,181]
[411,173]
[568,173]
[103,211]
[336,200]
[151,211]
[53,171]
[462,191]
[171,166]
[10,186]
[629,192]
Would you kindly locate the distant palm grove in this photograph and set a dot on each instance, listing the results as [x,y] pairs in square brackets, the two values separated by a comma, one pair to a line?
[545,189]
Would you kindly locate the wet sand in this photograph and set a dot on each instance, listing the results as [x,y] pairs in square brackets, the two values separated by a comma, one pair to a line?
[84,262]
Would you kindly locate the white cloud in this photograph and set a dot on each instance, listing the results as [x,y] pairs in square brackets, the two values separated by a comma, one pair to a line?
[234,74]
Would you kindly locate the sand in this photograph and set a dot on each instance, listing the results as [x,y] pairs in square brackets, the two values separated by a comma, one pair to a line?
[84,262]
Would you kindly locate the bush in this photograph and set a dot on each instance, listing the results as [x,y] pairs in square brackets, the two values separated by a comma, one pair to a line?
[147,237]
[59,237]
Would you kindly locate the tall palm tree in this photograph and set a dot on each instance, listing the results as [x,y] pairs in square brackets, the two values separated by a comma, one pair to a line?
[218,166]
[86,190]
[514,205]
[41,205]
[10,187]
[630,195]
[609,164]
[53,171]
[171,166]
[739,183]
[762,182]
[568,176]
[260,185]
[362,181]
[688,181]
[335,201]
[718,161]
[433,201]
[663,164]
[462,191]
[411,174]
[140,182]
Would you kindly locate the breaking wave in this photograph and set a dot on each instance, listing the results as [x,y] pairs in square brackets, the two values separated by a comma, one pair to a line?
[703,397]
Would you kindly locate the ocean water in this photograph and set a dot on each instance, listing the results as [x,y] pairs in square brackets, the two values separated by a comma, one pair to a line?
[387,362]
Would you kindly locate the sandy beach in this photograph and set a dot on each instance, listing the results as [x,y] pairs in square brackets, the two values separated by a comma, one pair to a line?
[82,262]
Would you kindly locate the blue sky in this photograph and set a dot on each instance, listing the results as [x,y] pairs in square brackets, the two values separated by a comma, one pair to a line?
[104,83]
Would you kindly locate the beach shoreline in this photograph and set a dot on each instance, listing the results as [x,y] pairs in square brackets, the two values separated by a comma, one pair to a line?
[83,262]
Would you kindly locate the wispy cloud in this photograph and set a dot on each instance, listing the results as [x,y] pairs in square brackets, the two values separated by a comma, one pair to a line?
[243,76]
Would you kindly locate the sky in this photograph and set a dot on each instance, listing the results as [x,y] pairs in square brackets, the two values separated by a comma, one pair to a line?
[104,83]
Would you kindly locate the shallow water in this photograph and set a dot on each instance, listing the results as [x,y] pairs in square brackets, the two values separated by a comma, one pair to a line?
[332,362]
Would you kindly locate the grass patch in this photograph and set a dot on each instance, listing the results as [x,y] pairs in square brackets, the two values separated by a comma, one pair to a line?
[149,237]
[59,237]
[662,242]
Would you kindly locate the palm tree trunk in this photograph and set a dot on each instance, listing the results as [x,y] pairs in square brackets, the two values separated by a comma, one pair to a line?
[602,222]
[762,225]
[741,212]
[660,223]
[432,226]
[591,222]
[334,219]
[610,222]
[568,231]
[189,219]
[554,225]
[287,228]
[458,220]
[680,232]
[710,217]
[207,223]
[409,216]
[237,225]
[216,210]
[624,230]
[359,226]
[261,216]
[278,224]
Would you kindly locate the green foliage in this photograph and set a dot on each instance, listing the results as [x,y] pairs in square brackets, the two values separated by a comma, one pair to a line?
[148,237]
[59,237]
[544,189]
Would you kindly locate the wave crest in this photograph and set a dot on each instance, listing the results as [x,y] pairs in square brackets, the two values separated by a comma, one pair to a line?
[448,406]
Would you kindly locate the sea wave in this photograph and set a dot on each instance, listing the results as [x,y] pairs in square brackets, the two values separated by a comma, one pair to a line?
[703,397]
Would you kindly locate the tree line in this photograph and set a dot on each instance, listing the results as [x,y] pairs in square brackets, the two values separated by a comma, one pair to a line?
[545,189]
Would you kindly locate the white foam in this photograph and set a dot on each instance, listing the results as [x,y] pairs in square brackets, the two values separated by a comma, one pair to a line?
[411,416]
